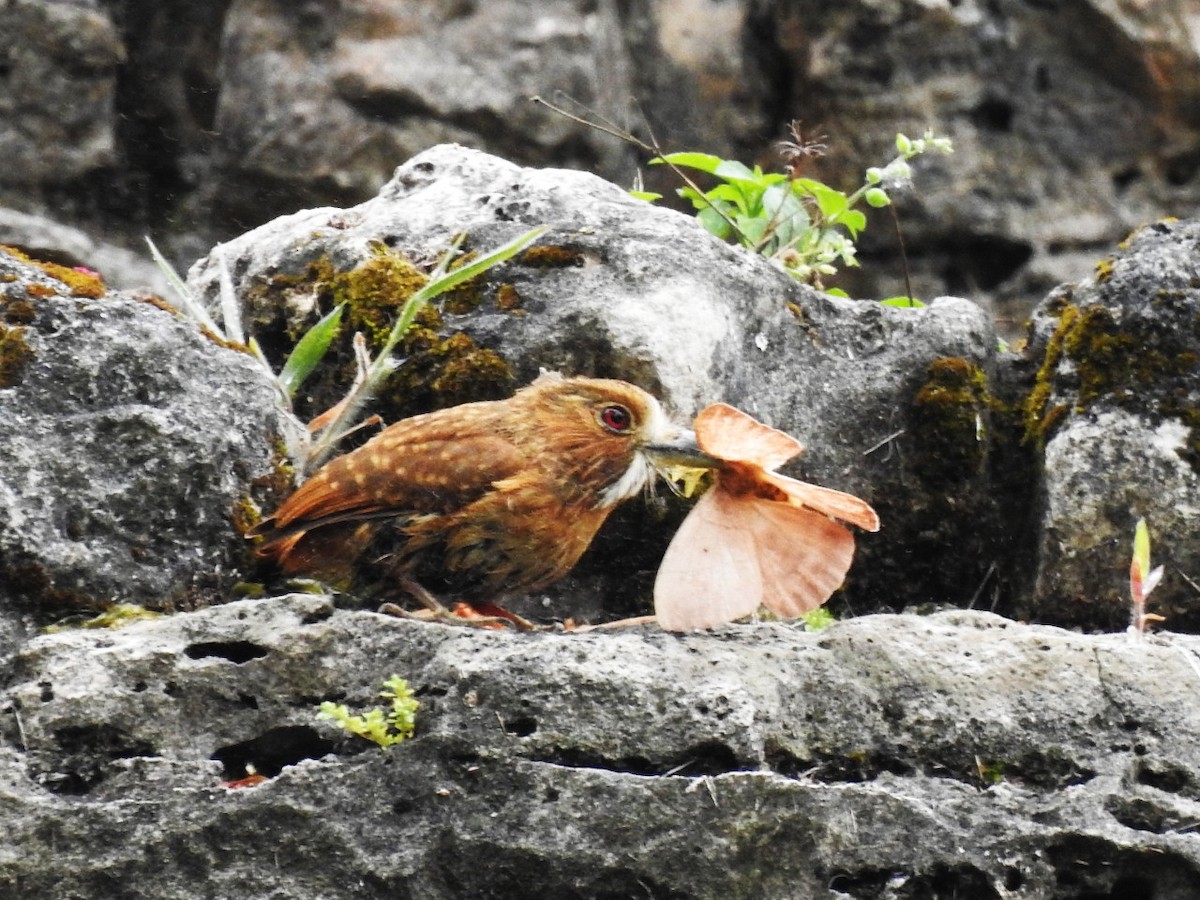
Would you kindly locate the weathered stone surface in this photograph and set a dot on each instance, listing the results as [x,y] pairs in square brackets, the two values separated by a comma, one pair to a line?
[1070,122]
[129,444]
[44,238]
[1115,405]
[319,108]
[57,124]
[955,755]
[620,288]
[1074,121]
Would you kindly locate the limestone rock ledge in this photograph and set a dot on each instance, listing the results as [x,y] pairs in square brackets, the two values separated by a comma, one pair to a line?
[959,754]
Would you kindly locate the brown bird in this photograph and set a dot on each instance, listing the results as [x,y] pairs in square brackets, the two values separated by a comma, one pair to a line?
[481,501]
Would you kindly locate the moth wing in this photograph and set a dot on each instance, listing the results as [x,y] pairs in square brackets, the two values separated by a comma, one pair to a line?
[730,434]
[802,556]
[833,503]
[709,574]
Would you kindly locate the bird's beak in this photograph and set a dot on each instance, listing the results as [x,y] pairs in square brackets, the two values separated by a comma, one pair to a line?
[680,450]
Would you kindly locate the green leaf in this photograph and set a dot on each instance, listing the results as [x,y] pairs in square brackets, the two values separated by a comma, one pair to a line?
[853,221]
[714,223]
[443,281]
[648,196]
[902,302]
[837,292]
[705,162]
[309,351]
[830,202]
[1141,547]
[732,170]
[731,199]
[751,229]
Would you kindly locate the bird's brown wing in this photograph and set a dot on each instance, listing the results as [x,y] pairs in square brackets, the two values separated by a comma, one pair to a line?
[418,465]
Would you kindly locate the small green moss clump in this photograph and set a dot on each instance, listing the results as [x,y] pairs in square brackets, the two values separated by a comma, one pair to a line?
[245,515]
[374,292]
[15,352]
[949,414]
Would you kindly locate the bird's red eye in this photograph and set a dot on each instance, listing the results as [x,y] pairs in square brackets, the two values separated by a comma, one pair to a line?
[616,418]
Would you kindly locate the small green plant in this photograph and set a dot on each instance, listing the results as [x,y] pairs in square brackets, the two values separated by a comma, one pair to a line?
[1142,580]
[818,619]
[377,725]
[802,225]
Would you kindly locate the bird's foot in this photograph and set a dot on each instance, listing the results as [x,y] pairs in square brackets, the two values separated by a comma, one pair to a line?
[462,614]
[484,615]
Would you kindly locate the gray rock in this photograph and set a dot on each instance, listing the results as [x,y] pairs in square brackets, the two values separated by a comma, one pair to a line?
[130,444]
[57,122]
[319,109]
[44,238]
[1114,405]
[1068,129]
[889,756]
[620,288]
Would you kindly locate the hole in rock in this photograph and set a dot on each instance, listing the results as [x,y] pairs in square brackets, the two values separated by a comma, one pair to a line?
[522,727]
[236,652]
[573,757]
[271,751]
[322,614]
[1166,777]
[993,114]
[984,262]
[710,758]
[85,752]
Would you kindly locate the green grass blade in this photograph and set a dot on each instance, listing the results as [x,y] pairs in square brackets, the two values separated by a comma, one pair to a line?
[448,280]
[309,351]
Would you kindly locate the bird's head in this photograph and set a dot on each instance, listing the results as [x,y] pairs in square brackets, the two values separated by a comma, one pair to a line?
[606,438]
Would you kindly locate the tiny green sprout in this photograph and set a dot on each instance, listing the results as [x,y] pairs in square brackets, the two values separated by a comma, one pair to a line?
[376,725]
[1142,580]
[818,619]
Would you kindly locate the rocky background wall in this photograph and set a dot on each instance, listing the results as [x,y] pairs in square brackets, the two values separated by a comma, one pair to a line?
[1074,120]
[334,149]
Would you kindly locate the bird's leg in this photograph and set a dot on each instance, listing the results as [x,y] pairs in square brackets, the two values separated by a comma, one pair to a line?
[438,612]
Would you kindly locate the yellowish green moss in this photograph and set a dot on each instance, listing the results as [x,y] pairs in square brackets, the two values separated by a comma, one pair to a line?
[507,298]
[1104,270]
[439,369]
[245,515]
[949,414]
[81,283]
[15,352]
[1147,368]
[550,256]
[374,292]
[118,615]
